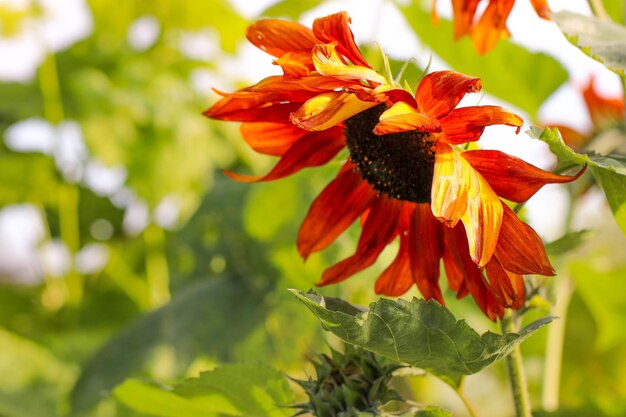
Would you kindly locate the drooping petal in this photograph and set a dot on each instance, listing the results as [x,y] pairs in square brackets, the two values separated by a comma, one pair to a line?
[328,109]
[463,273]
[293,88]
[240,110]
[296,64]
[426,250]
[492,25]
[460,193]
[603,111]
[270,138]
[542,8]
[278,37]
[328,62]
[463,12]
[312,149]
[379,229]
[506,286]
[439,92]
[401,117]
[396,279]
[336,28]
[520,250]
[510,177]
[333,211]
[467,124]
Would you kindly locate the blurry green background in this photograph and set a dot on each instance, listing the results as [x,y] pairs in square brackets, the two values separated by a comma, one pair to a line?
[125,251]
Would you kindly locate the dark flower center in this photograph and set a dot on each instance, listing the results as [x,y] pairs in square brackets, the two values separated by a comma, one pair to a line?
[398,164]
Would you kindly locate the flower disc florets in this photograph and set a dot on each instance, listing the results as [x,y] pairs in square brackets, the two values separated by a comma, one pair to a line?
[399,165]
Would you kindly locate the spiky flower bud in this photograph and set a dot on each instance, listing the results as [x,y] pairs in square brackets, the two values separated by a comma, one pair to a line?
[347,383]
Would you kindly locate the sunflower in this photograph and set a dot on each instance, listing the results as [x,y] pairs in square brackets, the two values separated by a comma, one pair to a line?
[405,178]
[491,26]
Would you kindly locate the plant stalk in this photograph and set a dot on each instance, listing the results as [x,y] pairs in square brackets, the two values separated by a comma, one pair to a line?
[597,8]
[466,401]
[515,365]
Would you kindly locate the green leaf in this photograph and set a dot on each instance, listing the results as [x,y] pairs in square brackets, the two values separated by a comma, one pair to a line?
[419,333]
[530,77]
[615,9]
[290,9]
[609,172]
[601,40]
[432,411]
[567,243]
[234,390]
[188,326]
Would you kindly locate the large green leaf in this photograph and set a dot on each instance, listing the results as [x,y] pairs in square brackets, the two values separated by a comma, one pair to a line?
[509,72]
[290,9]
[188,326]
[609,171]
[235,390]
[601,40]
[422,334]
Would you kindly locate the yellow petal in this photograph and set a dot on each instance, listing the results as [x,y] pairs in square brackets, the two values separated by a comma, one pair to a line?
[459,192]
[401,117]
[328,62]
[328,109]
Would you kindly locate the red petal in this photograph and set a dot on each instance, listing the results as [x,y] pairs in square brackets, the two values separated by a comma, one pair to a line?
[272,112]
[463,12]
[396,279]
[440,92]
[336,28]
[278,37]
[270,138]
[379,229]
[542,8]
[603,111]
[426,250]
[492,25]
[336,208]
[506,286]
[468,123]
[519,249]
[313,149]
[510,177]
[461,269]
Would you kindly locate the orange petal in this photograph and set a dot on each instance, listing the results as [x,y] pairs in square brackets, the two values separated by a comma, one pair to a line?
[293,88]
[379,229]
[510,177]
[245,111]
[296,64]
[336,28]
[396,279]
[468,123]
[401,117]
[328,62]
[460,193]
[336,208]
[312,149]
[507,287]
[520,250]
[270,138]
[463,12]
[439,92]
[492,25]
[542,8]
[278,37]
[603,111]
[465,275]
[426,250]
[328,109]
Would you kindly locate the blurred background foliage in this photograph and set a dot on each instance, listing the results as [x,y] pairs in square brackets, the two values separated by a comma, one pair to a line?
[126,252]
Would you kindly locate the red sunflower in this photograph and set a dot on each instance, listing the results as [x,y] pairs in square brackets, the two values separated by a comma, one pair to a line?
[487,30]
[405,177]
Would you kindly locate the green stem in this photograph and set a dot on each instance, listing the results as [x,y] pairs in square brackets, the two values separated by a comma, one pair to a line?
[51,90]
[517,375]
[554,345]
[157,270]
[597,8]
[466,401]
[69,231]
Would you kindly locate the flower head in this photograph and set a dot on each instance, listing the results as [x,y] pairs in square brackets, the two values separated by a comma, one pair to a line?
[487,29]
[405,177]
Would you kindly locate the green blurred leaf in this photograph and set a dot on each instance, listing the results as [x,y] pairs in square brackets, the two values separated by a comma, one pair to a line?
[530,77]
[615,9]
[39,185]
[290,9]
[609,172]
[567,243]
[433,412]
[188,325]
[601,40]
[235,390]
[422,334]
